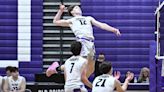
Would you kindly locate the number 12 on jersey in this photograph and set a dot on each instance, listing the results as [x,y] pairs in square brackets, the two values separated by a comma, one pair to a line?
[83,22]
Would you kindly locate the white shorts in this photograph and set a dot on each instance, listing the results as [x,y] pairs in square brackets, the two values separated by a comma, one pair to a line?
[88,48]
[76,89]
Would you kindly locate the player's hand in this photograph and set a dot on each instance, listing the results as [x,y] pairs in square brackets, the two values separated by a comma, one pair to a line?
[117,74]
[130,76]
[117,32]
[62,7]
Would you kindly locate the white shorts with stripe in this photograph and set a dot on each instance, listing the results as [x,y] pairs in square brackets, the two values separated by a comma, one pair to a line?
[74,89]
[88,47]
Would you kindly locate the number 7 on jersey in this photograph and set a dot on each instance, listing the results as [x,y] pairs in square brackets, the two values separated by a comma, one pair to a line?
[72,67]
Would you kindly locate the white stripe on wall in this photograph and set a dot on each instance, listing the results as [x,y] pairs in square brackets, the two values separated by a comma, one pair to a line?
[24,30]
[24,35]
[5,63]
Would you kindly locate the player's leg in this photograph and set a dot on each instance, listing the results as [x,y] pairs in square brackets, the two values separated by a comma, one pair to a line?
[54,68]
[88,51]
[90,66]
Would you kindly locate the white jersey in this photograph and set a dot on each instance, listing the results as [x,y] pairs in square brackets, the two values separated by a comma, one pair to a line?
[82,27]
[1,81]
[104,83]
[5,77]
[15,84]
[73,71]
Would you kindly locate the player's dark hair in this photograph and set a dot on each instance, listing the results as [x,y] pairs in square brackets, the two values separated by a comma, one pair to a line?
[70,8]
[76,48]
[105,67]
[14,69]
[101,53]
[8,68]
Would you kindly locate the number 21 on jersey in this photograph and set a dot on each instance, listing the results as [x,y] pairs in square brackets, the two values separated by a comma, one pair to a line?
[100,83]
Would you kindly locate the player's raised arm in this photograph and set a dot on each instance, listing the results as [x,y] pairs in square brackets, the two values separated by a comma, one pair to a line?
[57,19]
[84,77]
[123,88]
[105,26]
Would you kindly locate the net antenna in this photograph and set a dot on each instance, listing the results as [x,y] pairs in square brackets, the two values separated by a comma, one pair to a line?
[157,32]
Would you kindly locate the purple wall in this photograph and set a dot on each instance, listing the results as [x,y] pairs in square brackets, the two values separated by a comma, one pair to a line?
[136,21]
[8,29]
[9,36]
